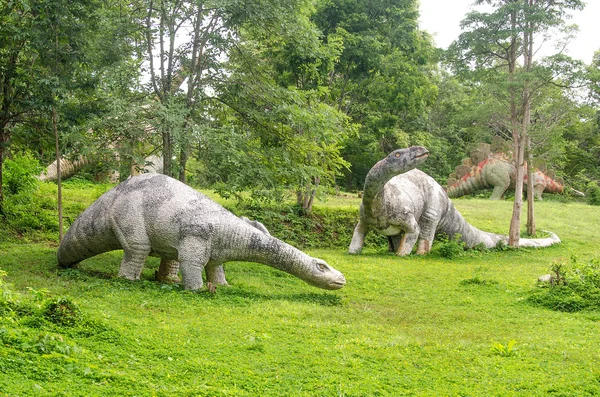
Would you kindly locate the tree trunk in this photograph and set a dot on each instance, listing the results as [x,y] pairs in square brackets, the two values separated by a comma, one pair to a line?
[515,222]
[3,146]
[167,152]
[58,180]
[531,227]
[183,158]
[528,62]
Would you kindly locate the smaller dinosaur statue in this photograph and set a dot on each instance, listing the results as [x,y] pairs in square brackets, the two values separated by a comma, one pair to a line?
[372,209]
[67,168]
[152,164]
[490,167]
[153,214]
[412,207]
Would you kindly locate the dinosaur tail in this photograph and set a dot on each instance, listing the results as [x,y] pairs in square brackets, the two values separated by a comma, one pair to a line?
[539,242]
[553,186]
[88,236]
[67,168]
[468,183]
[454,224]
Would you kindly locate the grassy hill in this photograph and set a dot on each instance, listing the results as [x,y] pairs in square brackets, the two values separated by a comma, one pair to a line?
[414,326]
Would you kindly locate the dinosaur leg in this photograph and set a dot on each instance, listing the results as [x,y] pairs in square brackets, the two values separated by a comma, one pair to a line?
[167,271]
[394,242]
[134,257]
[409,225]
[193,256]
[136,248]
[358,238]
[215,273]
[498,192]
[428,224]
[407,243]
[537,191]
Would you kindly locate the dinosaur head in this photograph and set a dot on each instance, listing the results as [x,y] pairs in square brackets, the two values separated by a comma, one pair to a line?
[395,163]
[402,160]
[318,273]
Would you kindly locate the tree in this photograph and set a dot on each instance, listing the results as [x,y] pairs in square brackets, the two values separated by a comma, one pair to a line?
[274,129]
[383,79]
[43,49]
[490,48]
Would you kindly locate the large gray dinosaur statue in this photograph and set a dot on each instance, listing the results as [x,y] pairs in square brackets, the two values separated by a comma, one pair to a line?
[152,214]
[412,207]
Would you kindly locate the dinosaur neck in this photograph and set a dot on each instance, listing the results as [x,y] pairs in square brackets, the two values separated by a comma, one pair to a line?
[242,242]
[376,179]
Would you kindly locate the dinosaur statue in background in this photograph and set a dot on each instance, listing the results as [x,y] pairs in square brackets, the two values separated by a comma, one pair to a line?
[67,168]
[153,214]
[490,167]
[412,207]
[372,209]
[153,164]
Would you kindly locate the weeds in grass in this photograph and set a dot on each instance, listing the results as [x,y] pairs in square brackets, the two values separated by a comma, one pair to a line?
[62,311]
[451,246]
[476,280]
[507,350]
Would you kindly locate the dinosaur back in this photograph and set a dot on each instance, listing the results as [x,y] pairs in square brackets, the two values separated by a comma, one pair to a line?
[468,179]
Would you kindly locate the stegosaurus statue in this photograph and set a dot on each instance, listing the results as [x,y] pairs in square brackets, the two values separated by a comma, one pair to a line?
[492,166]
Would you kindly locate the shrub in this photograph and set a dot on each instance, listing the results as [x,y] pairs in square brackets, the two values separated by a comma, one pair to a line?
[62,311]
[323,227]
[593,193]
[576,287]
[450,247]
[19,174]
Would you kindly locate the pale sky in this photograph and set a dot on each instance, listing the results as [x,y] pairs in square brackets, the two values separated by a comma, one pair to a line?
[442,19]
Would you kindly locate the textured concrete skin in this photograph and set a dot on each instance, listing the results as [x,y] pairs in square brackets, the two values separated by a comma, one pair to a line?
[373,204]
[498,172]
[412,207]
[152,214]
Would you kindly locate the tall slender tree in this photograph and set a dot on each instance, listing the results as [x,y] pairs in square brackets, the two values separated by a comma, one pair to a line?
[490,49]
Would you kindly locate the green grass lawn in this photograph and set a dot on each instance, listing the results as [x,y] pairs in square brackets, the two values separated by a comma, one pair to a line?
[414,326]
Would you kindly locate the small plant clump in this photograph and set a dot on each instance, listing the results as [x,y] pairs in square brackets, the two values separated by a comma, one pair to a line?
[507,350]
[574,287]
[451,247]
[62,311]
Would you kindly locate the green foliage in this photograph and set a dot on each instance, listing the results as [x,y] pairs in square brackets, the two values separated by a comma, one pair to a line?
[19,175]
[477,281]
[575,286]
[450,247]
[33,334]
[507,350]
[62,311]
[593,193]
[382,78]
[322,227]
[288,139]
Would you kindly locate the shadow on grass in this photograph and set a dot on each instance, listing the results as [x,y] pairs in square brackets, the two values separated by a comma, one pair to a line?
[77,274]
[232,294]
[322,298]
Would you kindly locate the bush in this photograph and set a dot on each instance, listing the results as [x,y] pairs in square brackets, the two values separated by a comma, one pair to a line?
[19,175]
[62,311]
[450,247]
[593,193]
[323,227]
[576,287]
